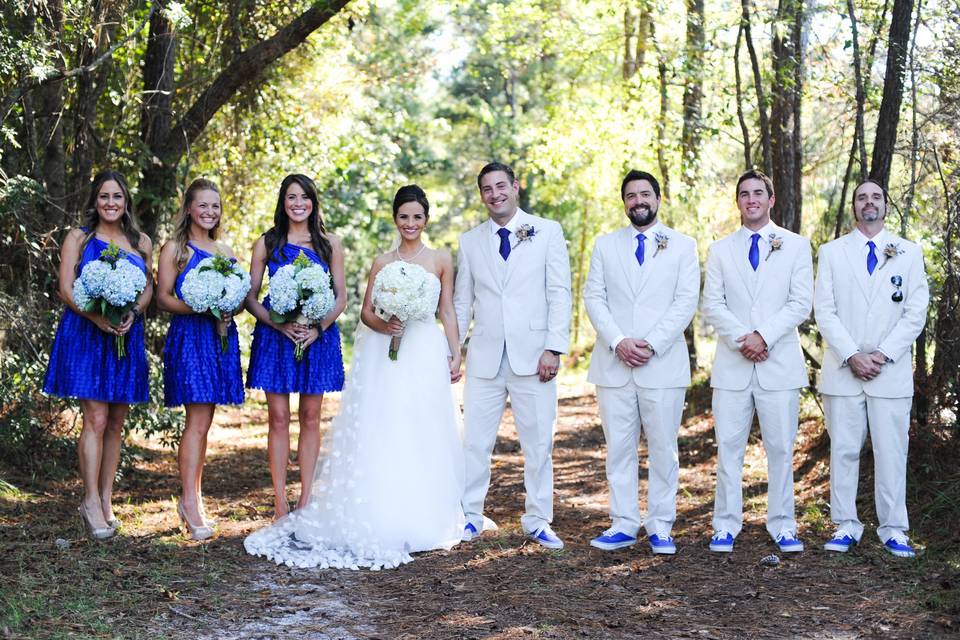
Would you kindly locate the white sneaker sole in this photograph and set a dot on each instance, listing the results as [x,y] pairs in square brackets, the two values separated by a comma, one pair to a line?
[547,545]
[839,548]
[663,552]
[723,548]
[611,546]
[791,549]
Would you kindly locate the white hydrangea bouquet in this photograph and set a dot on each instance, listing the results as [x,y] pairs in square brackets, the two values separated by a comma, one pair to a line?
[401,290]
[301,292]
[110,286]
[217,285]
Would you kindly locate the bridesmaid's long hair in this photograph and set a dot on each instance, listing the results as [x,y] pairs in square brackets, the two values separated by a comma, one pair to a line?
[275,239]
[91,219]
[181,228]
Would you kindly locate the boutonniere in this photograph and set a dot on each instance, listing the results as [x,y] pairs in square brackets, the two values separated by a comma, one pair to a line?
[524,233]
[662,241]
[776,243]
[892,250]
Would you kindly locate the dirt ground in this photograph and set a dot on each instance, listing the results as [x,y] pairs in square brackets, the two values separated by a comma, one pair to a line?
[152,583]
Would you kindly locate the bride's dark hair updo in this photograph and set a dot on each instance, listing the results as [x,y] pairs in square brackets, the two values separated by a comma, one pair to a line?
[411,193]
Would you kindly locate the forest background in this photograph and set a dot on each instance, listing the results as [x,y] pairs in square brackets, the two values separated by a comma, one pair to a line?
[366,96]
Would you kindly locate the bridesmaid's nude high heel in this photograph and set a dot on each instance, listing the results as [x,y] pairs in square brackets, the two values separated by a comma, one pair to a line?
[96,533]
[202,532]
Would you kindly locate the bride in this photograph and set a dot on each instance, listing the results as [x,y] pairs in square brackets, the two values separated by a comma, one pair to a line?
[391,475]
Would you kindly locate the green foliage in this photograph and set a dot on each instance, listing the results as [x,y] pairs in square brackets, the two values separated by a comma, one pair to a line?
[34,428]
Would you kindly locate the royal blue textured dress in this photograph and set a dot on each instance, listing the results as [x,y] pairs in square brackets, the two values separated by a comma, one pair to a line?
[195,369]
[83,360]
[273,366]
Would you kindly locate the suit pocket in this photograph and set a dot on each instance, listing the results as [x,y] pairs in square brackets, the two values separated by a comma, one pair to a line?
[538,325]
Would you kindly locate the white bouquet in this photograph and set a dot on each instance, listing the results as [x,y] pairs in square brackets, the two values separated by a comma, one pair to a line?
[110,286]
[217,285]
[401,290]
[301,292]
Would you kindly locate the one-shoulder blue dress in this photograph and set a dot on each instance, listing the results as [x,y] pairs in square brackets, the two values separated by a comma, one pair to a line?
[195,369]
[273,367]
[83,359]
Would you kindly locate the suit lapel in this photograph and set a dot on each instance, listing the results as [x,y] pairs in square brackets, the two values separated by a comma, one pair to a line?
[626,252]
[734,247]
[858,265]
[650,258]
[517,248]
[488,255]
[768,262]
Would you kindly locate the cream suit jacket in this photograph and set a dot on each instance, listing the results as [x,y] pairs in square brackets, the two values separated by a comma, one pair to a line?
[526,311]
[774,307]
[654,303]
[856,312]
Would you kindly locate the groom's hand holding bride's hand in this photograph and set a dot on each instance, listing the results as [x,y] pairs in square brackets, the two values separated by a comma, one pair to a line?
[455,373]
[548,366]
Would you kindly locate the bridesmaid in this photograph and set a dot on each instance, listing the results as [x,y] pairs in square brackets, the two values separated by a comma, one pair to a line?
[83,360]
[196,373]
[297,226]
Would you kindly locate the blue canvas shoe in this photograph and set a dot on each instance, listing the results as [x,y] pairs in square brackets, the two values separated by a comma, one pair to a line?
[662,544]
[841,542]
[788,542]
[611,539]
[899,545]
[545,537]
[469,533]
[721,542]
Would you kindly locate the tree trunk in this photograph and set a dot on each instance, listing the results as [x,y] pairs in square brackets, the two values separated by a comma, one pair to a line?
[786,143]
[693,92]
[889,116]
[662,142]
[861,93]
[90,86]
[166,147]
[49,126]
[758,88]
[744,130]
[158,185]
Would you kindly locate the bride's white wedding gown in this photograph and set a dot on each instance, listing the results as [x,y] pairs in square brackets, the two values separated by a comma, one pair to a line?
[390,476]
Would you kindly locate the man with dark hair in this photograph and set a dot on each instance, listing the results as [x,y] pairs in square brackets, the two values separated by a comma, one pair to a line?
[513,281]
[641,294]
[757,291]
[870,304]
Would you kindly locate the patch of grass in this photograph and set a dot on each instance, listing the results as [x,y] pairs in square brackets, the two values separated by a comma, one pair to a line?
[816,515]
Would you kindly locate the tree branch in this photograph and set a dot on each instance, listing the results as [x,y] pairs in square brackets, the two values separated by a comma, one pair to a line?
[241,70]
[6,104]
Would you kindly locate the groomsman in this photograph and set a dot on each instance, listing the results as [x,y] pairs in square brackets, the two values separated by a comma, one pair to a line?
[641,294]
[513,281]
[870,304]
[758,289]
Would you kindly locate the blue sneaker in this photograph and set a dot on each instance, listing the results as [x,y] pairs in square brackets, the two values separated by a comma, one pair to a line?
[899,545]
[840,542]
[662,544]
[722,542]
[612,539]
[469,533]
[788,542]
[545,537]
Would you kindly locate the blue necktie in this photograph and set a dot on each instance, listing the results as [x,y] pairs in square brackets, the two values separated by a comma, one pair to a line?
[639,253]
[754,255]
[871,257]
[504,242]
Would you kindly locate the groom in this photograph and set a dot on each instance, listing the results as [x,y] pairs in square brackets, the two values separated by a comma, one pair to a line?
[513,280]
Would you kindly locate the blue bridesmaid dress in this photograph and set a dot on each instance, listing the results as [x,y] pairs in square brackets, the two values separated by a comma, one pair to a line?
[83,360]
[273,367]
[195,369]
